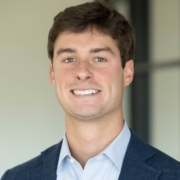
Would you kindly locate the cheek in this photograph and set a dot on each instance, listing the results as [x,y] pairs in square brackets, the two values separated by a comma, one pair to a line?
[113,74]
[116,80]
[62,76]
[110,81]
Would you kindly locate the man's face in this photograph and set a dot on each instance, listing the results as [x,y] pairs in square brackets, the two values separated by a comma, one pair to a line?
[87,75]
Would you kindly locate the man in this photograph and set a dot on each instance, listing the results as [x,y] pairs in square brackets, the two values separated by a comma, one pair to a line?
[91,48]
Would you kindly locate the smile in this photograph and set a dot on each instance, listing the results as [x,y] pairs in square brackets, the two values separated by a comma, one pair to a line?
[85,92]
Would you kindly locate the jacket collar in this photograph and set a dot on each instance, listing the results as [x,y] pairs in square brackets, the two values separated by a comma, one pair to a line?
[135,165]
[50,161]
[46,165]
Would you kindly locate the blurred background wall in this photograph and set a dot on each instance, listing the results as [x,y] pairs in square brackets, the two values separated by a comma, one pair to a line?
[30,117]
[152,102]
[165,76]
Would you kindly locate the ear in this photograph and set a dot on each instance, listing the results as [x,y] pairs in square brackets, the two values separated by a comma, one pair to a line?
[128,72]
[51,73]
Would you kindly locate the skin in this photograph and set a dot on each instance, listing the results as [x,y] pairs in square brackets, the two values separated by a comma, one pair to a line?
[90,61]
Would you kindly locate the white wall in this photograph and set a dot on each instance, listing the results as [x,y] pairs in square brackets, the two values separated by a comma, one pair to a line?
[30,116]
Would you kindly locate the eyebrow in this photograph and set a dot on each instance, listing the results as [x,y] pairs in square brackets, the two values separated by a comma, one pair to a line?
[95,50]
[107,49]
[65,50]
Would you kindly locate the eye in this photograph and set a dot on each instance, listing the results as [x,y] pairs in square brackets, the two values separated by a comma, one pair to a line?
[69,60]
[100,59]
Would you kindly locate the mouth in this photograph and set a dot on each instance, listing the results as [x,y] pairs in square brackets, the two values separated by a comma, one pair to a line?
[85,92]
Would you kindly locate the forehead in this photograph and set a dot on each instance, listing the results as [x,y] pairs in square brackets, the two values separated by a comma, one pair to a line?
[85,39]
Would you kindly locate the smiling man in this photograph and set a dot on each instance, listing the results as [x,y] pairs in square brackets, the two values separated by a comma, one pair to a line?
[91,48]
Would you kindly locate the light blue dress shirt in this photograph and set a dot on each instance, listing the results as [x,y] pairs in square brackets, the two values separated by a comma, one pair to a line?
[105,166]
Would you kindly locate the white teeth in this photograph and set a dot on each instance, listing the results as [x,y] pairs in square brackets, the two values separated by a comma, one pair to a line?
[90,91]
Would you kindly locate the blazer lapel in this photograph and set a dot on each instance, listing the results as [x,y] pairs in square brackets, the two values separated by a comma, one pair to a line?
[135,165]
[46,166]
[134,170]
[50,160]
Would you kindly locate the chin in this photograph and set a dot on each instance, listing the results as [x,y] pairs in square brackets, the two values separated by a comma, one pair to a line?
[86,114]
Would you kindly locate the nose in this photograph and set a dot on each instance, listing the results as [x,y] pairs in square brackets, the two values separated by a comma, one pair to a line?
[83,71]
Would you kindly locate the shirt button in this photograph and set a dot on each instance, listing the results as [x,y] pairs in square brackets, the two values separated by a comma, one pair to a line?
[72,160]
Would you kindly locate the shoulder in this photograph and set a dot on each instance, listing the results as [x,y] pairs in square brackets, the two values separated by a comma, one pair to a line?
[153,157]
[169,166]
[34,165]
[20,171]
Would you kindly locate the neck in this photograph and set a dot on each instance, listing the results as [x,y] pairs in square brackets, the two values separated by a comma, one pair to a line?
[87,139]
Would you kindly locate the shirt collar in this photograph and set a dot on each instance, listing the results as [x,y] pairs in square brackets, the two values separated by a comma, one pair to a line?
[115,151]
[117,148]
[64,150]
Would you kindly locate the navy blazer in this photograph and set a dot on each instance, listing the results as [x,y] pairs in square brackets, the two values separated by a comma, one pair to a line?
[141,162]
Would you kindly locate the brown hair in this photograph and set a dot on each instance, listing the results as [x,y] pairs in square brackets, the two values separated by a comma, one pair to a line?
[94,15]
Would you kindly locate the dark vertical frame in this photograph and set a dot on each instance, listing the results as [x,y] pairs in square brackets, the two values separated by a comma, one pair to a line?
[140,86]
